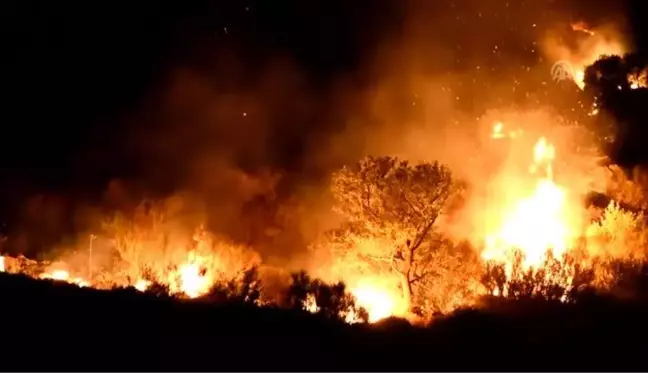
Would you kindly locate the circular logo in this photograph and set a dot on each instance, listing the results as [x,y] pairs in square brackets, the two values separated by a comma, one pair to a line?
[562,70]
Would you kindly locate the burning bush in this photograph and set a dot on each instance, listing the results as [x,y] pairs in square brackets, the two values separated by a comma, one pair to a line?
[618,233]
[152,244]
[554,279]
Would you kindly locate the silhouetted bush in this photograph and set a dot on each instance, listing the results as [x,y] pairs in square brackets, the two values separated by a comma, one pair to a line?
[554,279]
[331,301]
[159,290]
[245,289]
[629,279]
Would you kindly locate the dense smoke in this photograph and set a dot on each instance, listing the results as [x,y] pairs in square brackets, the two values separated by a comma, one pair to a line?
[248,146]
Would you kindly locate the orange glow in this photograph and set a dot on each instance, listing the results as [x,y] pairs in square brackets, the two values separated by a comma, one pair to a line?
[191,278]
[638,79]
[63,275]
[374,296]
[379,302]
[596,44]
[535,215]
[142,285]
[310,304]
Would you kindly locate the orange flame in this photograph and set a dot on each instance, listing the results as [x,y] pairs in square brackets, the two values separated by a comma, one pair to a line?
[539,221]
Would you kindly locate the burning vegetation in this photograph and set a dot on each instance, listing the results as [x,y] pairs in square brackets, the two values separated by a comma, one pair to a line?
[392,254]
[400,247]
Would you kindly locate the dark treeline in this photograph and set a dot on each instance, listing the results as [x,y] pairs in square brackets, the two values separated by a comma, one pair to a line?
[607,79]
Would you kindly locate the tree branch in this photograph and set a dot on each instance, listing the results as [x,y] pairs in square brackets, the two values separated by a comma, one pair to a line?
[422,234]
[416,210]
[421,276]
[375,257]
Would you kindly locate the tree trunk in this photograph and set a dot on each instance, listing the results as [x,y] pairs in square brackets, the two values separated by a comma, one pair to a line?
[406,287]
[405,274]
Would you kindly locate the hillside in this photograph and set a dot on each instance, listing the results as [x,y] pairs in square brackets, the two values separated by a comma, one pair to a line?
[55,326]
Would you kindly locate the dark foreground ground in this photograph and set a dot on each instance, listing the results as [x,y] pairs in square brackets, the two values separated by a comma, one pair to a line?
[48,326]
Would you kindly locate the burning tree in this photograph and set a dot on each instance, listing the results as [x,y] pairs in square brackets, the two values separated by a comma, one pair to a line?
[390,209]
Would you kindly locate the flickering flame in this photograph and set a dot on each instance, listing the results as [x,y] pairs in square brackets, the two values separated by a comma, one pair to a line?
[142,285]
[579,77]
[193,278]
[2,264]
[498,132]
[638,79]
[377,299]
[310,304]
[63,275]
[581,26]
[378,303]
[538,222]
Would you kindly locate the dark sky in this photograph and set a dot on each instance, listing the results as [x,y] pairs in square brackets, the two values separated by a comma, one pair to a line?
[73,70]
[76,75]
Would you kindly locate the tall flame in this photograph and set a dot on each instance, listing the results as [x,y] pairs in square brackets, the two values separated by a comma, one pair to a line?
[538,222]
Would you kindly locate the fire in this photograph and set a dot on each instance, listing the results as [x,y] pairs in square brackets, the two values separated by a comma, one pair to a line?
[498,132]
[310,304]
[142,285]
[2,264]
[193,278]
[638,79]
[370,293]
[379,302]
[581,26]
[63,275]
[596,44]
[538,221]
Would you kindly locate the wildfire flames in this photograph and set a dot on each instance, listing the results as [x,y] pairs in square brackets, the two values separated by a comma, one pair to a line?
[62,275]
[378,303]
[539,216]
[537,222]
[193,282]
[189,280]
[536,216]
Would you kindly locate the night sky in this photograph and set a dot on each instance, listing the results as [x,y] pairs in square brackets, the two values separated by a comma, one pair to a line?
[85,83]
[75,71]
